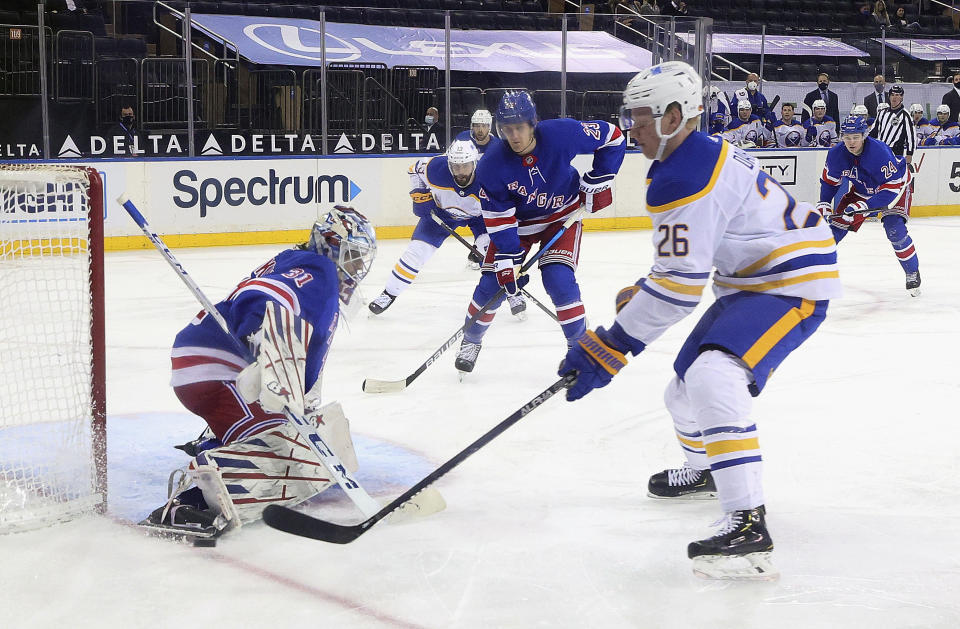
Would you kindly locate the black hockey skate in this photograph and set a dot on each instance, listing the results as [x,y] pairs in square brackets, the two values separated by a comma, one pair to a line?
[518,306]
[183,521]
[913,284]
[467,356]
[685,483]
[740,550]
[383,301]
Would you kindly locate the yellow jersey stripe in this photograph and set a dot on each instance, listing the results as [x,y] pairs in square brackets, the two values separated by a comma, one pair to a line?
[788,281]
[656,209]
[776,253]
[732,445]
[677,287]
[690,442]
[402,271]
[776,332]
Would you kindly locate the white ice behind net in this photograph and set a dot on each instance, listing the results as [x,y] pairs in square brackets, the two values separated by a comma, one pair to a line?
[46,458]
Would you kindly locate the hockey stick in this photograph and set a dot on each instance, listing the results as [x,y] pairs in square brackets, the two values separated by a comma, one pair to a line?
[327,456]
[297,523]
[372,385]
[474,249]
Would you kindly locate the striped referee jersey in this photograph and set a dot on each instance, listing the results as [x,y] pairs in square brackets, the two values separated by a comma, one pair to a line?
[895,128]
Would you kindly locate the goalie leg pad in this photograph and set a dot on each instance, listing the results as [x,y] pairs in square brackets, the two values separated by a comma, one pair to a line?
[273,467]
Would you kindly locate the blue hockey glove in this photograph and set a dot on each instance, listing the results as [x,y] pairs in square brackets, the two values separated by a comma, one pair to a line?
[423,202]
[856,207]
[596,359]
[507,268]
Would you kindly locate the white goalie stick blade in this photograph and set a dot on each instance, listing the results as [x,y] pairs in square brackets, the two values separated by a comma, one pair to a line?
[427,502]
[372,385]
[749,567]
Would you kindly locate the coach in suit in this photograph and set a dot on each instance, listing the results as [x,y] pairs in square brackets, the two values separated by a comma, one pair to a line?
[877,96]
[952,98]
[822,93]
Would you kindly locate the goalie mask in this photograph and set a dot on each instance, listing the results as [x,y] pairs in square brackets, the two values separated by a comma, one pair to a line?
[345,236]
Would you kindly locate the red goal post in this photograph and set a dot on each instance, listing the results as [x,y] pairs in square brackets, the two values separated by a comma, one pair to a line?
[53,457]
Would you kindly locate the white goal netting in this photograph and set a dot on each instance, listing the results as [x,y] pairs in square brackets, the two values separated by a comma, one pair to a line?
[52,449]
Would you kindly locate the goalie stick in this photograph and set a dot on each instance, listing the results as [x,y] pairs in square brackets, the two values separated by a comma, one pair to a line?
[297,523]
[372,385]
[473,248]
[327,456]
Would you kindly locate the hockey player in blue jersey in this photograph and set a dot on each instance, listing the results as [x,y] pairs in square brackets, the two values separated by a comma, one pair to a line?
[250,456]
[880,185]
[444,186]
[528,189]
[716,212]
[480,133]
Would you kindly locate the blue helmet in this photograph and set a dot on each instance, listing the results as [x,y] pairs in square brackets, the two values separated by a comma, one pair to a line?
[853,124]
[516,107]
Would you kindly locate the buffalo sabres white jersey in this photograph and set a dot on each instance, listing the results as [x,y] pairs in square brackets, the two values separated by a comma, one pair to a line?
[433,173]
[713,207]
[749,133]
[821,132]
[942,134]
[790,135]
[924,129]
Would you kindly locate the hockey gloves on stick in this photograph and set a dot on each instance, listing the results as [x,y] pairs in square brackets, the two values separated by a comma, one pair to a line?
[596,361]
[856,208]
[825,208]
[423,202]
[276,379]
[506,266]
[595,195]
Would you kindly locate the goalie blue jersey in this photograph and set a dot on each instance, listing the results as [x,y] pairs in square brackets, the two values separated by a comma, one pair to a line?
[525,194]
[301,281]
[877,175]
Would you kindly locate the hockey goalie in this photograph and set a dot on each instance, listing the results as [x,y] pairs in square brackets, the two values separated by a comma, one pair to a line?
[250,456]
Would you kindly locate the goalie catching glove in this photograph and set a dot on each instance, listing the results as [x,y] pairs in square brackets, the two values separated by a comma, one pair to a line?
[276,379]
[595,195]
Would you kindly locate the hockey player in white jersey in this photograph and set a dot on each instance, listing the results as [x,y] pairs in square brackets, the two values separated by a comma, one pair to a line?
[788,132]
[921,124]
[821,128]
[943,131]
[747,129]
[775,262]
[444,186]
[480,133]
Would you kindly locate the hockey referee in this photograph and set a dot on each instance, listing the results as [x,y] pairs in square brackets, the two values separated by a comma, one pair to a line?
[894,127]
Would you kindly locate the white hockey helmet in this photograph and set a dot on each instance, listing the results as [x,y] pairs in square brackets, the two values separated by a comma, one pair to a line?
[658,87]
[859,110]
[943,109]
[744,104]
[345,236]
[481,116]
[916,108]
[462,158]
[817,104]
[883,106]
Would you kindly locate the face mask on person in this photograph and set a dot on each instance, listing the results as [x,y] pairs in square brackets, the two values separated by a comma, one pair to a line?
[823,85]
[127,120]
[752,85]
[878,87]
[428,120]
[956,84]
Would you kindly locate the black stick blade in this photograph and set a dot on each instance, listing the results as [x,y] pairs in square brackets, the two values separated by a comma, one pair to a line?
[297,523]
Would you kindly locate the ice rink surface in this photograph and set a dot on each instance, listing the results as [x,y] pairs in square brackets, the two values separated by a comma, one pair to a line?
[549,525]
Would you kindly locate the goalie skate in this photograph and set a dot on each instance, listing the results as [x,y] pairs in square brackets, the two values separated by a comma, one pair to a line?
[739,551]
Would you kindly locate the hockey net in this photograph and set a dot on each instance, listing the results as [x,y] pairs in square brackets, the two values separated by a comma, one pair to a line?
[52,408]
